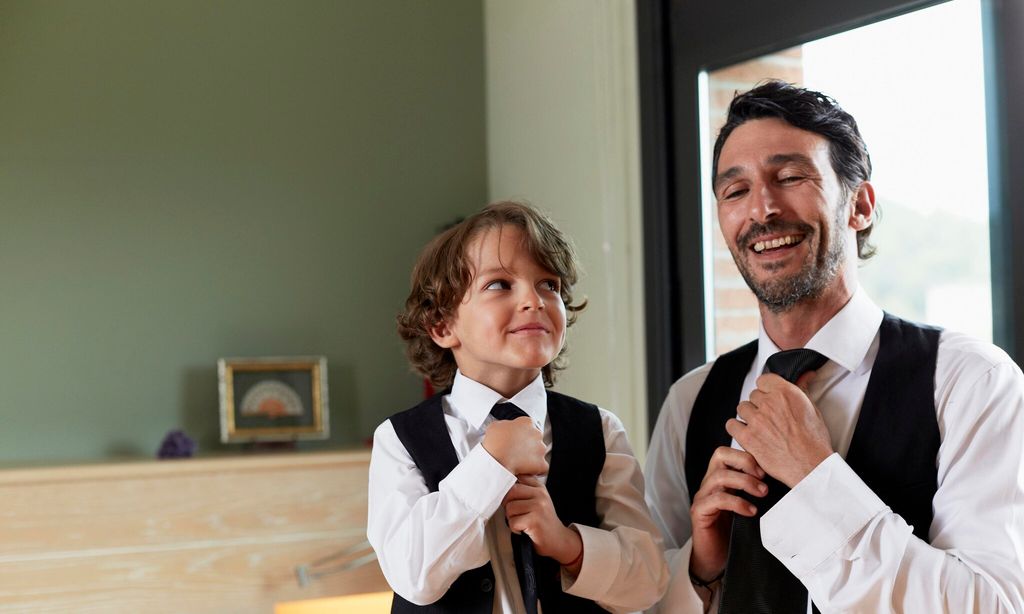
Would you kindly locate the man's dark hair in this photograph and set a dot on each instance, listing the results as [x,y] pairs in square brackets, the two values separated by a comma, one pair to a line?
[815,112]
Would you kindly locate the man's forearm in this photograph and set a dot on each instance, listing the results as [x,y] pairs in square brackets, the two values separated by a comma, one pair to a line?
[854,554]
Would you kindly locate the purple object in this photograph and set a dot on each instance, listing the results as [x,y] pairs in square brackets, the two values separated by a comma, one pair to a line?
[176,445]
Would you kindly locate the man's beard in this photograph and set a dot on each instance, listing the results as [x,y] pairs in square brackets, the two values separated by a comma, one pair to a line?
[781,293]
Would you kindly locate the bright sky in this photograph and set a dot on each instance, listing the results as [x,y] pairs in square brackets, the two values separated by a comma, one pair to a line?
[915,85]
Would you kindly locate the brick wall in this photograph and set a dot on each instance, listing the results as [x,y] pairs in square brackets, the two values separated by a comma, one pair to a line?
[735,308]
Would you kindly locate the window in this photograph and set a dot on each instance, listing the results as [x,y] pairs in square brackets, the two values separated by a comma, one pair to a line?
[931,184]
[679,40]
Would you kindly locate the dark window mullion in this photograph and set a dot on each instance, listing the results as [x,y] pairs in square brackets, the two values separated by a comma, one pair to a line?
[1003,29]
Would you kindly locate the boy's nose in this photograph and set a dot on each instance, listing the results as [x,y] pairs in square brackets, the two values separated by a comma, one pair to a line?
[531,300]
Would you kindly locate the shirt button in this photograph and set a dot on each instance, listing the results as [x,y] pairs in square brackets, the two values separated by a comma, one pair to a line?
[486,585]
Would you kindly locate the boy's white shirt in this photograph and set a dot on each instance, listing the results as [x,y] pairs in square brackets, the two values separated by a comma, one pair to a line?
[424,540]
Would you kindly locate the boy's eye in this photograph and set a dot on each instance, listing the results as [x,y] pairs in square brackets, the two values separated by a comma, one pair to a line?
[498,284]
[550,285]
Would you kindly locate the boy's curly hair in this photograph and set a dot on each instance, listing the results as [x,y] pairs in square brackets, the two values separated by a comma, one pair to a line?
[443,273]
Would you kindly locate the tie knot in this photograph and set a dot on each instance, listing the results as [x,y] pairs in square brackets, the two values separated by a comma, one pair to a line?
[791,364]
[507,411]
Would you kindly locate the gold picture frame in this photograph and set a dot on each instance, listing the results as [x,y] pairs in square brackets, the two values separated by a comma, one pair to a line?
[273,398]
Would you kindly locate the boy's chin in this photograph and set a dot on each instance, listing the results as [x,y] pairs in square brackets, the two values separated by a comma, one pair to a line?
[535,366]
[529,370]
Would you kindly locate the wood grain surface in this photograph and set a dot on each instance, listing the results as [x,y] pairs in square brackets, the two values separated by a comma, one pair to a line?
[197,535]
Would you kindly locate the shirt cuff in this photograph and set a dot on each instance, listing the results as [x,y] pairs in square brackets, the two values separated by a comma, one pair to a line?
[681,596]
[819,516]
[479,482]
[600,564]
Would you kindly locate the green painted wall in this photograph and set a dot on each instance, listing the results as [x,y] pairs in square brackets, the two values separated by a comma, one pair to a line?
[185,180]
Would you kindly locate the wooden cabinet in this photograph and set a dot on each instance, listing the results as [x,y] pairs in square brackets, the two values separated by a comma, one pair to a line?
[197,535]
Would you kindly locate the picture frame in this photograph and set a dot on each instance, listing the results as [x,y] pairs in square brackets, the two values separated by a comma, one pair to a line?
[273,398]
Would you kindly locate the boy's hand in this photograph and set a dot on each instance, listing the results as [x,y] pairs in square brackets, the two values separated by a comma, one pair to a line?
[529,510]
[517,445]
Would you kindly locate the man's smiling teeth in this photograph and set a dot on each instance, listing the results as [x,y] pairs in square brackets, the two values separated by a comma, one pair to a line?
[760,246]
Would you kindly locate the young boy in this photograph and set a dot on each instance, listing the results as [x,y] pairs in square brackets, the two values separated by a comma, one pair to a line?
[471,511]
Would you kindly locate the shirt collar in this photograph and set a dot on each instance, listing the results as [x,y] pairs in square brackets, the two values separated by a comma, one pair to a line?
[473,400]
[845,339]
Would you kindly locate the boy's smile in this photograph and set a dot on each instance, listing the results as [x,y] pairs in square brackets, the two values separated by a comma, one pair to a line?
[511,322]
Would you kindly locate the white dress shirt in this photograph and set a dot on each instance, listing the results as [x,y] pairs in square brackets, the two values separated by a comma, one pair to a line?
[426,540]
[832,532]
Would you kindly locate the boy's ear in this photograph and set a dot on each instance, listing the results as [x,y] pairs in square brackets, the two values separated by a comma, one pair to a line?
[444,336]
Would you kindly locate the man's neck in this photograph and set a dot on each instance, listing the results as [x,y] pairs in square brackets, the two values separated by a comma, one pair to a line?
[794,327]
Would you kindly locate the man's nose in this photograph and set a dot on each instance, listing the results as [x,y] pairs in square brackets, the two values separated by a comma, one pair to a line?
[764,204]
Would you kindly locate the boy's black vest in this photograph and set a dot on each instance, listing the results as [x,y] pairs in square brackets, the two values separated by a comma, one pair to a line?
[577,457]
[896,441]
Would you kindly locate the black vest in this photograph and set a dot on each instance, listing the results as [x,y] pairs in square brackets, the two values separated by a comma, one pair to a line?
[577,458]
[895,442]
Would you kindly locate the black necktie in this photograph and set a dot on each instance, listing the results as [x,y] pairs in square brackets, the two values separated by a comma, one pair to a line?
[522,547]
[755,581]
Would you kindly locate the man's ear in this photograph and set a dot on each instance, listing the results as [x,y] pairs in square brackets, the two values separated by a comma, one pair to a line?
[444,336]
[862,214]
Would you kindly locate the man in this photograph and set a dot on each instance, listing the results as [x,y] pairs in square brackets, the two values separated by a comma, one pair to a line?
[903,445]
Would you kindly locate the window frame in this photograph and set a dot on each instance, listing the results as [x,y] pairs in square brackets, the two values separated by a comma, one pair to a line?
[679,39]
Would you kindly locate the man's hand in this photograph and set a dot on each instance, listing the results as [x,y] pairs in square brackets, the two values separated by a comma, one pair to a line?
[517,445]
[529,510]
[782,428]
[730,470]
